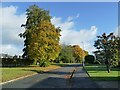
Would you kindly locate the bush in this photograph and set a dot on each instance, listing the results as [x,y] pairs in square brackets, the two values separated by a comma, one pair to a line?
[89,59]
[15,62]
[44,63]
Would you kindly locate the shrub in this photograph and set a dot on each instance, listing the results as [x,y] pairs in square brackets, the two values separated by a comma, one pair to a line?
[44,63]
[12,62]
[89,59]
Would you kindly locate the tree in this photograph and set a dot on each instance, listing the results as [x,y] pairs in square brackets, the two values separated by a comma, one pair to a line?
[116,55]
[89,59]
[79,54]
[66,54]
[41,37]
[71,54]
[107,44]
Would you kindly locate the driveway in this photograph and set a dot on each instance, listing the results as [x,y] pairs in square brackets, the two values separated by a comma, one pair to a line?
[58,78]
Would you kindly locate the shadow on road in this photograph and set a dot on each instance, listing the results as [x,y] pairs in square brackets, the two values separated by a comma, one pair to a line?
[57,71]
[63,83]
[52,82]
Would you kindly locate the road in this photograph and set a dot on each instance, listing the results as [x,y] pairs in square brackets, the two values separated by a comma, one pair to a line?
[58,78]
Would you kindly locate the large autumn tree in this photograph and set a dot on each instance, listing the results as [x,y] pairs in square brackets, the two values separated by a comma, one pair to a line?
[41,37]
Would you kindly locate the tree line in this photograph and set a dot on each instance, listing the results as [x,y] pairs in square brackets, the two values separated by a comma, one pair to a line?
[71,54]
[68,54]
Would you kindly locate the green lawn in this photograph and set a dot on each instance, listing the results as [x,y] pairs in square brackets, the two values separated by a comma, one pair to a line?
[98,72]
[12,73]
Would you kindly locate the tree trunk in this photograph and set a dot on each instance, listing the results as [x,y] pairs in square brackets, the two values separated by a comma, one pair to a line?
[107,65]
[107,61]
[108,68]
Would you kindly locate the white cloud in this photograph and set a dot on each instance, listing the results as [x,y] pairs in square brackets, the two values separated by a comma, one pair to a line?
[117,31]
[70,18]
[11,49]
[11,22]
[72,36]
[77,16]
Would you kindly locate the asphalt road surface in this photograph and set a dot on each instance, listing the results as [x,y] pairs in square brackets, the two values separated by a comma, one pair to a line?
[59,78]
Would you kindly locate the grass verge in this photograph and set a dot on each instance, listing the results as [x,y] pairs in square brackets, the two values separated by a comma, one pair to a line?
[99,72]
[16,72]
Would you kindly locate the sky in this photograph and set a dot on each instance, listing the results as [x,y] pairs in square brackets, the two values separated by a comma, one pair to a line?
[80,22]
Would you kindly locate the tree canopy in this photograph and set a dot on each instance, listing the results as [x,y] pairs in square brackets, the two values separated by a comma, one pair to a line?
[107,46]
[41,37]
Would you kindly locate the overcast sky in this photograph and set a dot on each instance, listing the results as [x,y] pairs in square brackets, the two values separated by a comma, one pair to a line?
[80,22]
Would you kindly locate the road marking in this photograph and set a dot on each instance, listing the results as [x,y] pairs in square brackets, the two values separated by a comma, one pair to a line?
[17,79]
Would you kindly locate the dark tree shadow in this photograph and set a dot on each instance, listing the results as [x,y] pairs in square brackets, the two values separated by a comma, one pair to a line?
[64,84]
[56,71]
